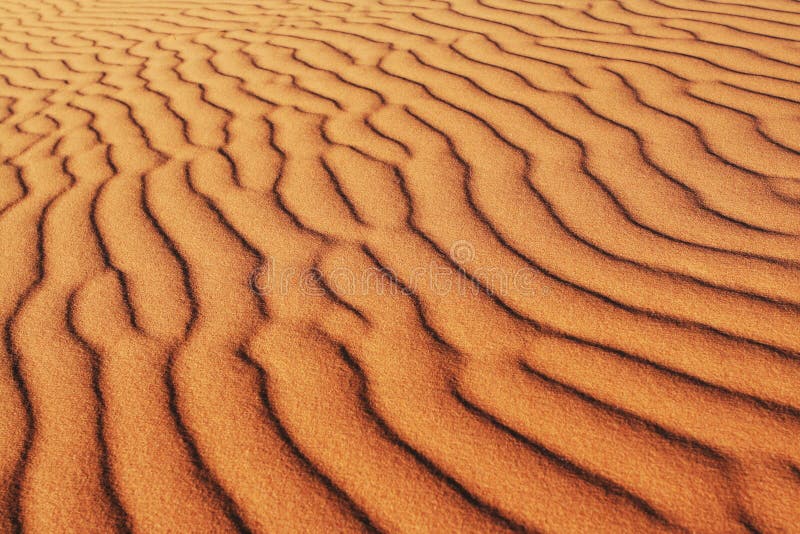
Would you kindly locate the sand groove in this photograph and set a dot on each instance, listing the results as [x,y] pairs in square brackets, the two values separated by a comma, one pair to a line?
[400,265]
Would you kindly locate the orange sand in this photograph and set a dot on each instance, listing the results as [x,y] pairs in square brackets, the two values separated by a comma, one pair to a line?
[400,265]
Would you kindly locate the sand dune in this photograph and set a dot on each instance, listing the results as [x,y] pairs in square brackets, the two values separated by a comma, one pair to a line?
[400,265]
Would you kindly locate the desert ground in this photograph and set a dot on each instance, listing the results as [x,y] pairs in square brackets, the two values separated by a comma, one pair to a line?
[400,266]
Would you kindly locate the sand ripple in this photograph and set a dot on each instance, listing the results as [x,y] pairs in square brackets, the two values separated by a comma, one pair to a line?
[400,265]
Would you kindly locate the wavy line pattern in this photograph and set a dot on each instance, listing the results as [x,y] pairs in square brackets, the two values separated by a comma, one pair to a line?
[400,266]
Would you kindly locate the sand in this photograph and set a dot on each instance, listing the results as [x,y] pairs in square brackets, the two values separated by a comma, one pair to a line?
[400,266]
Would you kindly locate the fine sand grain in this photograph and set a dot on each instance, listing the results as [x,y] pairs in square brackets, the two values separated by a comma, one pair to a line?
[400,266]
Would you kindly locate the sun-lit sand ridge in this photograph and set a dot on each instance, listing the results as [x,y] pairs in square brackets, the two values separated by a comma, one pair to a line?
[400,265]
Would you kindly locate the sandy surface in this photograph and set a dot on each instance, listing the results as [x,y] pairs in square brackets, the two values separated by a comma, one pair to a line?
[400,266]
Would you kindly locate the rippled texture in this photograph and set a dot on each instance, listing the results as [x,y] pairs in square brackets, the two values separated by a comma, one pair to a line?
[582,218]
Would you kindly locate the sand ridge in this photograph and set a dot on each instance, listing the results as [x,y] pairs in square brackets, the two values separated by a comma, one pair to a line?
[400,265]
